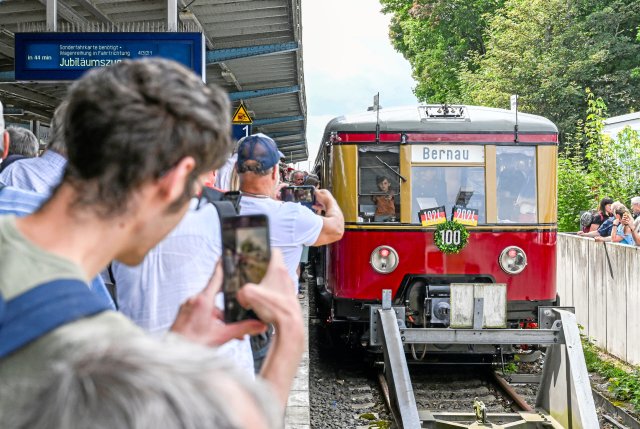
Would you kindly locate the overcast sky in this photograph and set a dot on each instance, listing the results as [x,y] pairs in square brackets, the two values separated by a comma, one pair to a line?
[348,58]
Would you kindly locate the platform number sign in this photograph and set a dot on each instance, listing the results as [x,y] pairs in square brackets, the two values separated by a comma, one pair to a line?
[241,121]
[239,131]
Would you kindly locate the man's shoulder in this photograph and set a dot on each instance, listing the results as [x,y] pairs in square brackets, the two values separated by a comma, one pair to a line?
[19,201]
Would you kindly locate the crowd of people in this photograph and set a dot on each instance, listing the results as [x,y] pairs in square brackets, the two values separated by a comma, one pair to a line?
[613,222]
[107,239]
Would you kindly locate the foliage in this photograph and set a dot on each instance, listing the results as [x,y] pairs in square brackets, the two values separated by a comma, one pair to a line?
[574,194]
[549,51]
[624,385]
[614,164]
[593,166]
[450,247]
[437,37]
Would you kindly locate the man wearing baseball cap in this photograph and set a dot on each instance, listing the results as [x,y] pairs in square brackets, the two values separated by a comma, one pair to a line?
[291,225]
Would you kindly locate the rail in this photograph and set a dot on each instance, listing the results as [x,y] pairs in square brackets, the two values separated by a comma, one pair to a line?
[564,398]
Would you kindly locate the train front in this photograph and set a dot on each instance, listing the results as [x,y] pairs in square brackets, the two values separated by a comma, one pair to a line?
[442,204]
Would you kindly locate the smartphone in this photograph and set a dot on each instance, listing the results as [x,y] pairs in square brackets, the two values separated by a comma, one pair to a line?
[245,257]
[299,194]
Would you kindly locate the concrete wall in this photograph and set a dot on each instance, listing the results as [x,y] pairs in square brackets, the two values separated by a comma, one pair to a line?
[607,301]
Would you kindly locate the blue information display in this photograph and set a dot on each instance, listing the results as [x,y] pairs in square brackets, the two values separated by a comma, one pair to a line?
[65,56]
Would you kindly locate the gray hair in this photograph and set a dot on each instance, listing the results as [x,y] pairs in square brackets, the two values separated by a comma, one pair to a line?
[56,137]
[293,174]
[142,383]
[22,142]
[635,200]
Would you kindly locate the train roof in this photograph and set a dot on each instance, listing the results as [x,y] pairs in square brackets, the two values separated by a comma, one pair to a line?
[430,119]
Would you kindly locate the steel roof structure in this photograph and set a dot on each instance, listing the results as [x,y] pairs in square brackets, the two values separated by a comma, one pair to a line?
[253,51]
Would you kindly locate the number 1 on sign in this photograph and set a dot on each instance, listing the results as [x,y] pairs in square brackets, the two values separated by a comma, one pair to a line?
[246,129]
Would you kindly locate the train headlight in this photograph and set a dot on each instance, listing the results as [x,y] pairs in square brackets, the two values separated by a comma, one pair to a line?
[513,260]
[384,259]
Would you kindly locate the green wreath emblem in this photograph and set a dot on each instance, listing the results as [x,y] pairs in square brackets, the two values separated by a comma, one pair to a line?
[451,237]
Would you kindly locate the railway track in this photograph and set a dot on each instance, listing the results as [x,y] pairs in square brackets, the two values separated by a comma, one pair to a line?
[348,394]
[448,391]
[462,393]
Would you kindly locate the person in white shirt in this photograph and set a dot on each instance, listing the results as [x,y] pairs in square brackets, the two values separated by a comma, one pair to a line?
[178,267]
[291,225]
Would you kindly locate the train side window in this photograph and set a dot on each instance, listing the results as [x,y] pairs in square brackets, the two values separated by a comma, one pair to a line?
[516,184]
[378,183]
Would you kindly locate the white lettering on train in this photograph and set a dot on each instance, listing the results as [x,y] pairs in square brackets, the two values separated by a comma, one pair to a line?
[445,154]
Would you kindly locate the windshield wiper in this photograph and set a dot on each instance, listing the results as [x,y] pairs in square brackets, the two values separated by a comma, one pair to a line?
[391,168]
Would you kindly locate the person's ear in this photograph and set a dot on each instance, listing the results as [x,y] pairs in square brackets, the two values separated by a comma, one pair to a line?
[171,184]
[5,146]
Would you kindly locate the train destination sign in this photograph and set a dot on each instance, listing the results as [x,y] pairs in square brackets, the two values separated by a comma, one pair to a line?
[450,154]
[66,56]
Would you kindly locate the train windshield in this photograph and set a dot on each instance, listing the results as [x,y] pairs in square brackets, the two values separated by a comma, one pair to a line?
[379,183]
[447,186]
[516,183]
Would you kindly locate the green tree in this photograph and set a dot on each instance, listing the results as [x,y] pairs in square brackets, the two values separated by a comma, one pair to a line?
[437,37]
[593,166]
[549,51]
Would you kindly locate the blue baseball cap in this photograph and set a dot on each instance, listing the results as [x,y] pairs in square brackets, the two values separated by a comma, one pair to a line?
[259,152]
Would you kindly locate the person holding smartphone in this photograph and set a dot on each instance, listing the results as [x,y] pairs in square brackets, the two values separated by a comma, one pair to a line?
[291,225]
[156,130]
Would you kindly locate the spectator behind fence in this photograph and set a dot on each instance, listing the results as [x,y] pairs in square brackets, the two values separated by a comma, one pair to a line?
[42,174]
[24,144]
[621,232]
[603,233]
[594,220]
[635,207]
[634,225]
[138,383]
[156,130]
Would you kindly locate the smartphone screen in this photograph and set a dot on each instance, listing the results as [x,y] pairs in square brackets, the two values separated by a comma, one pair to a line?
[299,194]
[245,257]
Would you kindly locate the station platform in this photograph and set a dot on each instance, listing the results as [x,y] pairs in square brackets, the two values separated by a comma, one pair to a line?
[297,414]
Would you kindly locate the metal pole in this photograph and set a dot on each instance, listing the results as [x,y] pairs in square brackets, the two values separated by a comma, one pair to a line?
[52,15]
[172,15]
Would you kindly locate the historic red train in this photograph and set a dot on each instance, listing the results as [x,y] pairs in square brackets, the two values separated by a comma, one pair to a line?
[435,195]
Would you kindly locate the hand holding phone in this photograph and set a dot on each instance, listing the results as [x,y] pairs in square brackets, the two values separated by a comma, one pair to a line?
[245,257]
[299,194]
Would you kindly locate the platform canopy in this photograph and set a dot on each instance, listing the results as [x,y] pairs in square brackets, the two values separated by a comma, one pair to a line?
[253,50]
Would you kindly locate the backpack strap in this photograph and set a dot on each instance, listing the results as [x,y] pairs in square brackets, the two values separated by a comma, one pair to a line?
[226,203]
[42,309]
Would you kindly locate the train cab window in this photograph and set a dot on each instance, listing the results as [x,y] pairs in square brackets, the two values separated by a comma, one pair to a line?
[516,184]
[447,186]
[378,183]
